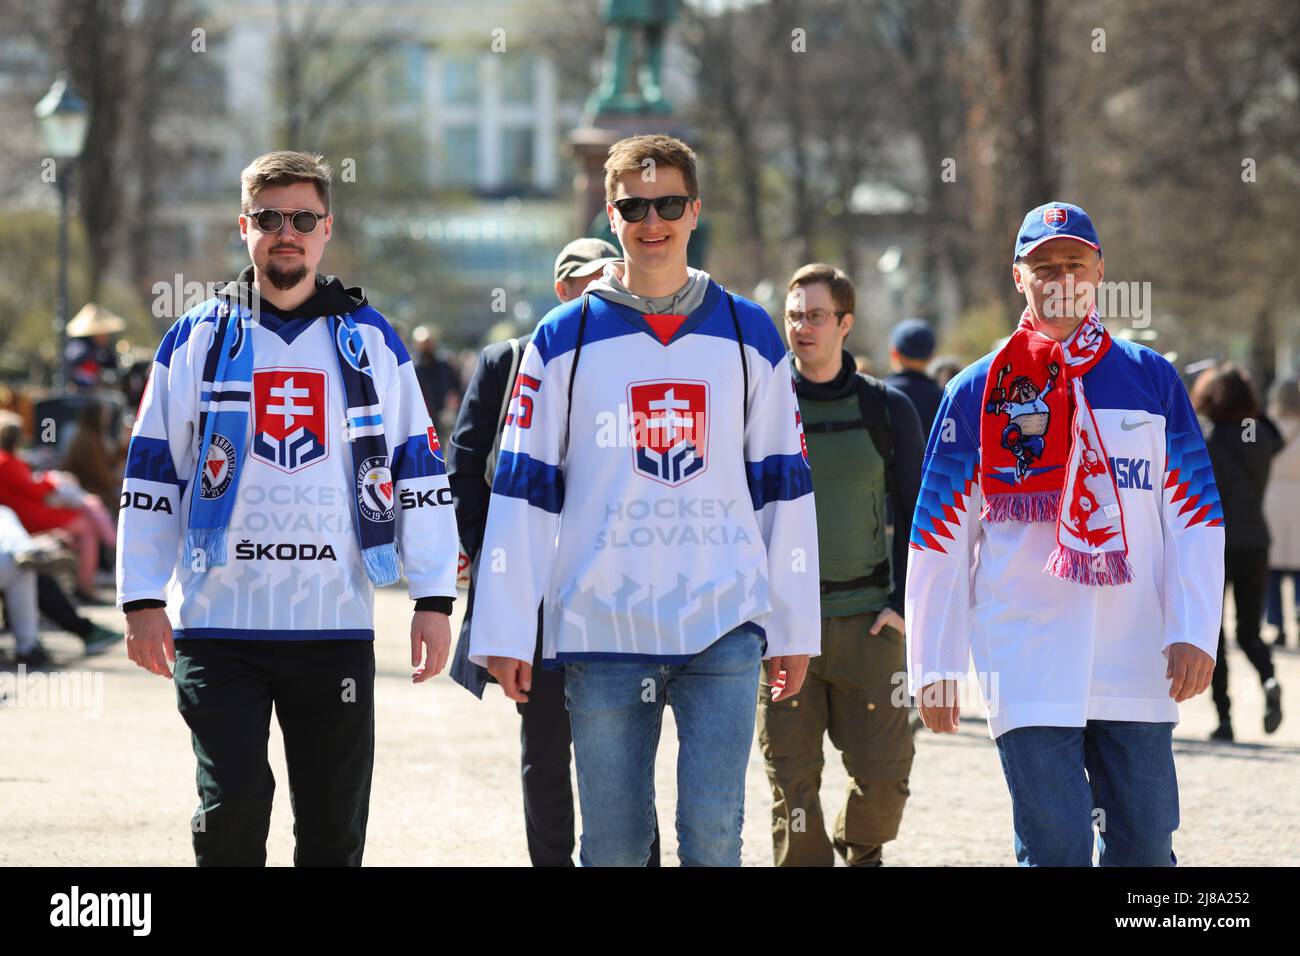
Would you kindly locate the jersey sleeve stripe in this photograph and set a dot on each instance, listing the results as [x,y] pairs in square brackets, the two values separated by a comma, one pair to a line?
[778,478]
[537,482]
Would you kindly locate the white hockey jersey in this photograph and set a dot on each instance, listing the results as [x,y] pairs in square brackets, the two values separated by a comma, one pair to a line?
[294,568]
[1049,652]
[682,507]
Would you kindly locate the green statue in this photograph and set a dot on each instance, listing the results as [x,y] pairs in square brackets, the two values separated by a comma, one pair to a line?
[621,90]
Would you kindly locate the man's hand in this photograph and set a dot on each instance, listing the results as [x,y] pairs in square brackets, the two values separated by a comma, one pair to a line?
[514,676]
[430,633]
[149,640]
[1190,669]
[887,617]
[786,675]
[938,705]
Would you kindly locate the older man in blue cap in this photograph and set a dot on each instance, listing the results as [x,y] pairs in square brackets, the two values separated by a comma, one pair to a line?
[1071,462]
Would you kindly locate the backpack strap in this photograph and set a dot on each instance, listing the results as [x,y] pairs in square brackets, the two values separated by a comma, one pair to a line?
[573,372]
[744,365]
[875,415]
[515,354]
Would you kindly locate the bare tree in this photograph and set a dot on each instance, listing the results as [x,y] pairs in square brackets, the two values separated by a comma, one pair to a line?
[92,45]
[736,53]
[316,68]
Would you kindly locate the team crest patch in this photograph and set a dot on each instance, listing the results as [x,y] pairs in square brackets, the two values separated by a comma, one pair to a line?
[290,417]
[433,439]
[375,489]
[670,434]
[218,467]
[1054,216]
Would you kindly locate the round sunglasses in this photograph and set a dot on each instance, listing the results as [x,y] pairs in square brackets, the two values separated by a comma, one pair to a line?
[304,221]
[636,208]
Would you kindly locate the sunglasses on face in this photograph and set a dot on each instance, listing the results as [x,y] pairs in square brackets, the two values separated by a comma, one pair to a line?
[635,208]
[815,318]
[272,220]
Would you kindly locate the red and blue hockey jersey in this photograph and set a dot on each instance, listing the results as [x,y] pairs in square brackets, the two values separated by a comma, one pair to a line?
[1049,652]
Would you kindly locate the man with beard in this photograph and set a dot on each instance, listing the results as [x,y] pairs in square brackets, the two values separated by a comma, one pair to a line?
[282,466]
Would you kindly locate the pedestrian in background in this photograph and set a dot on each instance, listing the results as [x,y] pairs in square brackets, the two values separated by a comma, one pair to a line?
[1242,443]
[1282,506]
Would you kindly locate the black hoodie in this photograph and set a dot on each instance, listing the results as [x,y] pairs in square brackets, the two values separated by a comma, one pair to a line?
[330,298]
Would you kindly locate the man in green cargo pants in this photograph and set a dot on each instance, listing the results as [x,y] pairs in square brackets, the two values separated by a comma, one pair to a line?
[864,444]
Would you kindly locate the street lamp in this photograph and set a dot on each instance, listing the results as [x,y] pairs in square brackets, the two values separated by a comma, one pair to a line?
[64,119]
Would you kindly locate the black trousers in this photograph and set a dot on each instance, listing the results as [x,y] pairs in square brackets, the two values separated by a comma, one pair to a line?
[545,744]
[1246,569]
[323,695]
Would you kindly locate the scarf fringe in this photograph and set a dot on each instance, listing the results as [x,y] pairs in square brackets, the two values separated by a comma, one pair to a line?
[1027,506]
[1083,568]
[381,564]
[211,541]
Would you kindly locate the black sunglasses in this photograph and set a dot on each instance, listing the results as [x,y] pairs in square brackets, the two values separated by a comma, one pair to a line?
[272,220]
[635,208]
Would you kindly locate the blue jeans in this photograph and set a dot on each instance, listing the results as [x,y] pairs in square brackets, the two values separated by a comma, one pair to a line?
[616,712]
[1130,791]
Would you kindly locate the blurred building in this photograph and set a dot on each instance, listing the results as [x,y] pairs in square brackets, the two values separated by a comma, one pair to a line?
[445,129]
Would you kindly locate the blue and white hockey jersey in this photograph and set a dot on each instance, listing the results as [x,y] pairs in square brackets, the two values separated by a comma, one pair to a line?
[669,521]
[1049,652]
[294,568]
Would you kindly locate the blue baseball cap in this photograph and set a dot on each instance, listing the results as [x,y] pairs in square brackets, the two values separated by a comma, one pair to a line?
[913,338]
[1055,220]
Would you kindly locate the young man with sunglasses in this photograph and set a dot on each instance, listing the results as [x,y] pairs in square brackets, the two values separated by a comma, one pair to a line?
[282,466]
[653,495]
[544,737]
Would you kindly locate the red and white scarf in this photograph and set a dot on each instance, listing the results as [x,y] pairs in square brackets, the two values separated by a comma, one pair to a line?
[1041,454]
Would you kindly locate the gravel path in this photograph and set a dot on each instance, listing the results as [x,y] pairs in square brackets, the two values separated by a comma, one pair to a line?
[117,788]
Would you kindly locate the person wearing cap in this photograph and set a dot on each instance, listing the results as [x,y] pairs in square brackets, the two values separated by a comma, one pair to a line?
[545,738]
[911,346]
[90,354]
[1072,464]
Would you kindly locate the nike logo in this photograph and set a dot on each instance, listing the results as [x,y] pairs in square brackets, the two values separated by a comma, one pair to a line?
[1128,426]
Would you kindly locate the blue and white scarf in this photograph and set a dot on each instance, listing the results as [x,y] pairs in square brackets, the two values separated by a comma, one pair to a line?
[224,426]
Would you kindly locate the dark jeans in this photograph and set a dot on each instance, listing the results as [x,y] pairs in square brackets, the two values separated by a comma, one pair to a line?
[323,694]
[1245,569]
[545,741]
